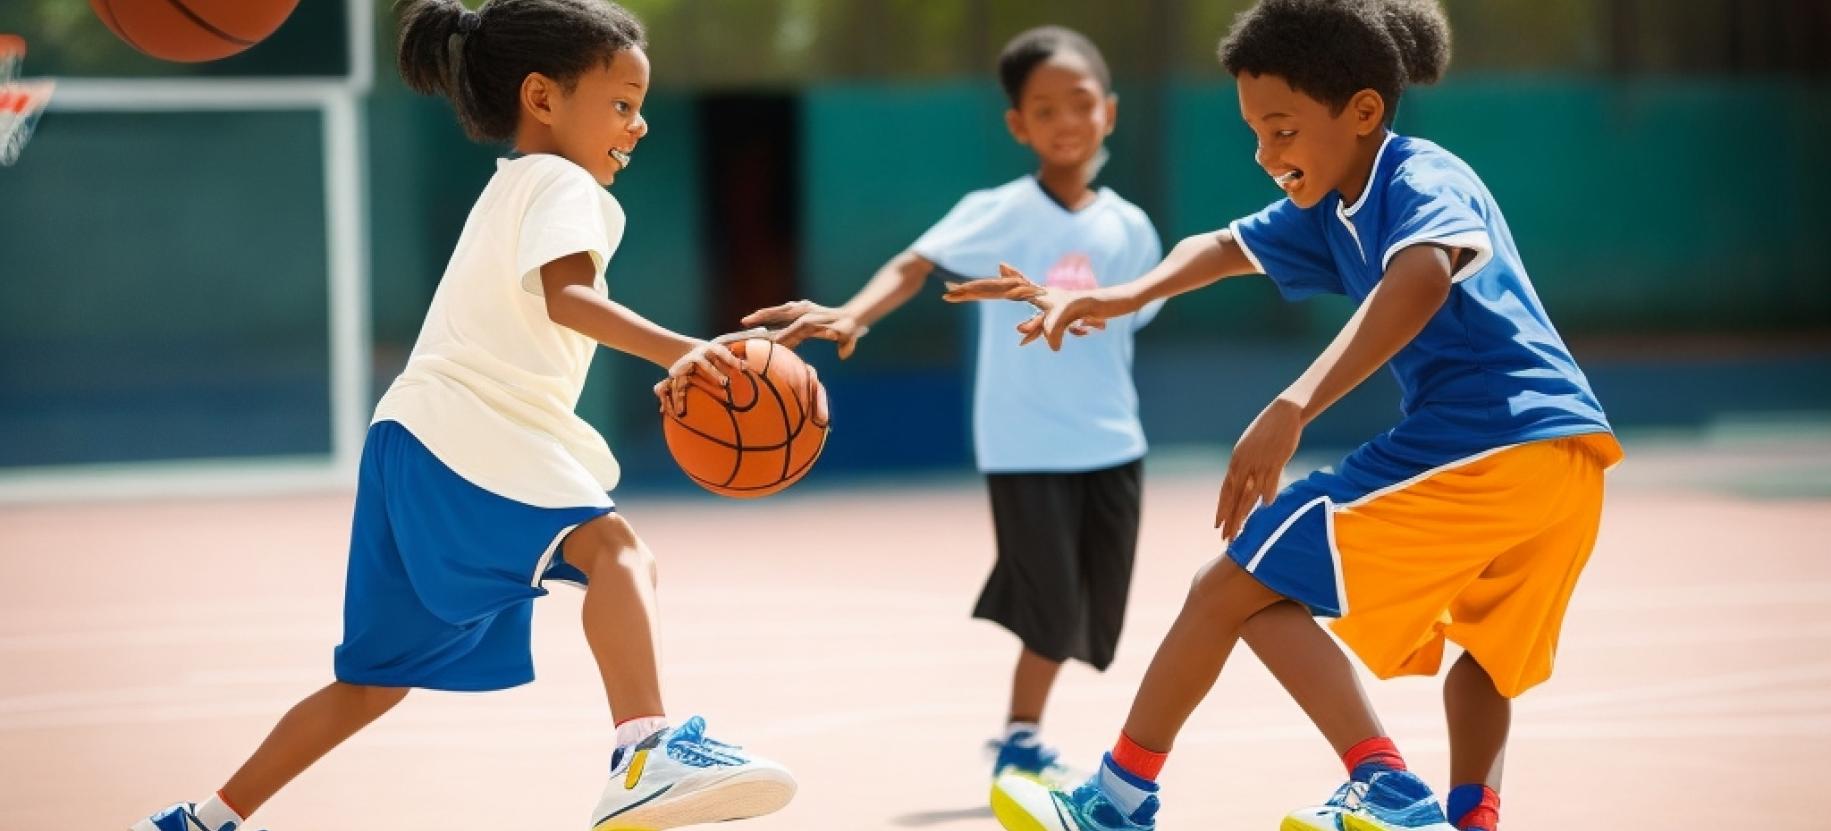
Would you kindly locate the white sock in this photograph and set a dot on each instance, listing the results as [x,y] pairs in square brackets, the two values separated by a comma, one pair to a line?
[637,729]
[1128,793]
[216,815]
[1016,728]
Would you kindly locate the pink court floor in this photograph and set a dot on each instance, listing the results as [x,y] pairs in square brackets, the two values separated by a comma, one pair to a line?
[149,646]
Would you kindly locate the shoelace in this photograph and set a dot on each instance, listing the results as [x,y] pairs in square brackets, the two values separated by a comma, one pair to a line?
[1349,795]
[699,751]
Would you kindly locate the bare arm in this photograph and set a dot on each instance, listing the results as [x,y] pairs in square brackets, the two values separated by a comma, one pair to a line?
[1195,262]
[573,302]
[1413,288]
[891,287]
[888,289]
[569,284]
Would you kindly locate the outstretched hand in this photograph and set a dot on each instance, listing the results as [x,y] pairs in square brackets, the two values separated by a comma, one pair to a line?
[792,323]
[1059,311]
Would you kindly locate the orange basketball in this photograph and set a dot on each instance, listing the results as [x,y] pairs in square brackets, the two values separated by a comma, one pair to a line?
[189,31]
[762,435]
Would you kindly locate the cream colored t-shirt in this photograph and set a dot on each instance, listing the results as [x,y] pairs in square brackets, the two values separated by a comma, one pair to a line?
[492,382]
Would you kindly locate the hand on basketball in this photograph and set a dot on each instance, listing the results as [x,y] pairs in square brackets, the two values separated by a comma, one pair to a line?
[1257,463]
[1060,311]
[708,365]
[795,322]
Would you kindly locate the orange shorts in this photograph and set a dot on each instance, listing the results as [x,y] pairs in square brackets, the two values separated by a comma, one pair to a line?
[1484,551]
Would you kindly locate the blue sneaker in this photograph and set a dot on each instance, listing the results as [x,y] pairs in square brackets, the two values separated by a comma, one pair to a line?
[1024,804]
[1391,801]
[1024,754]
[680,777]
[180,817]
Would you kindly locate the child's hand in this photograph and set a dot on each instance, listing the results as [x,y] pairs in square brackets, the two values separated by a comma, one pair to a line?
[708,366]
[1257,463]
[1060,310]
[795,322]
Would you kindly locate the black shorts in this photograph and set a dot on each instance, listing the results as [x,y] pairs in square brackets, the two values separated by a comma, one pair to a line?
[1065,549]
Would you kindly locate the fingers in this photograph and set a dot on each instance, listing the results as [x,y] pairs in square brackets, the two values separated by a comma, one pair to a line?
[704,362]
[1229,483]
[1031,329]
[846,345]
[747,334]
[778,315]
[724,357]
[811,326]
[992,288]
[1055,326]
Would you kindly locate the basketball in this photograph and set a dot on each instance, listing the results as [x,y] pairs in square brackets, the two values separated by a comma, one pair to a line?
[762,435]
[190,31]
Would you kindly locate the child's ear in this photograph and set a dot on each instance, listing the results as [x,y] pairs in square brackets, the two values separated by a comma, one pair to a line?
[1014,122]
[537,96]
[1112,112]
[1369,112]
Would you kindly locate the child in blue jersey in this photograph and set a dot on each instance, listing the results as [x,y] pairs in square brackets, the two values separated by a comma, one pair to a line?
[1469,521]
[1059,441]
[478,482]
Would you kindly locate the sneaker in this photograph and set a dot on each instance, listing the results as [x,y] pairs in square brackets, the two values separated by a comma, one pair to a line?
[180,817]
[1024,804]
[1327,816]
[679,777]
[1023,754]
[1391,801]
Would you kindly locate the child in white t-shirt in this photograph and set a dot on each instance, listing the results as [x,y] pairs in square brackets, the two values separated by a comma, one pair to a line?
[478,482]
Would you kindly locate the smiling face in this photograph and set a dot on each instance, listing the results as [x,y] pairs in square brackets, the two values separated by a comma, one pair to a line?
[598,122]
[1306,147]
[1064,113]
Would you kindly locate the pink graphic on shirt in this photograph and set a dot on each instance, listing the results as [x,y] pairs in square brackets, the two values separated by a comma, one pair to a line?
[1073,271]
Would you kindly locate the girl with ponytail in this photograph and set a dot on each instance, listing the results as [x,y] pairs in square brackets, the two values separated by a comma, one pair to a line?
[478,484]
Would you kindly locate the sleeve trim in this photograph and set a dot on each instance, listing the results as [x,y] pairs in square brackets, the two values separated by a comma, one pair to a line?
[1476,241]
[1233,228]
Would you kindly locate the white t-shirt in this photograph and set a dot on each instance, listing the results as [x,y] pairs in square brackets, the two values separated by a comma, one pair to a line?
[492,382]
[1035,410]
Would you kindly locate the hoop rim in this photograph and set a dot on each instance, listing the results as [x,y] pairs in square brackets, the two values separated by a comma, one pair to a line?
[11,45]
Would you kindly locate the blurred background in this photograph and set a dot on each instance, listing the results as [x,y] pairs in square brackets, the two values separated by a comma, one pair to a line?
[219,267]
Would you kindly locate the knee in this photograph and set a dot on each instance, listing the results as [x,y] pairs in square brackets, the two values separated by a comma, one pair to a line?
[1226,594]
[609,542]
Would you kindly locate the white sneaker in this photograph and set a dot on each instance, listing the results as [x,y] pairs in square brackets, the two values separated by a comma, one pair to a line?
[679,777]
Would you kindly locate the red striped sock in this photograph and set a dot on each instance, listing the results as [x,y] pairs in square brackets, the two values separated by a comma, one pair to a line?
[1375,754]
[1136,760]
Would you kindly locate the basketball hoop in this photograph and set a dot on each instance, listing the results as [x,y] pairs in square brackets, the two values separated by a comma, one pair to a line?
[21,102]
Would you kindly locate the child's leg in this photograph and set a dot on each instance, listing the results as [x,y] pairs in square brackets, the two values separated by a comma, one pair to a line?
[309,730]
[1479,720]
[1315,672]
[1030,686]
[1190,659]
[620,615]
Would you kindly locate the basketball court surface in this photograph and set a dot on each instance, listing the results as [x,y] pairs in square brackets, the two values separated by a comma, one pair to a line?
[150,645]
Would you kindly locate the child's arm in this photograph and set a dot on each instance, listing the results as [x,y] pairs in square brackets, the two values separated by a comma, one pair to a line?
[573,302]
[1411,291]
[1195,262]
[892,286]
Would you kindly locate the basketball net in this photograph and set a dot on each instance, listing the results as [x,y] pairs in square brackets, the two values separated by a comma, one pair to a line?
[22,102]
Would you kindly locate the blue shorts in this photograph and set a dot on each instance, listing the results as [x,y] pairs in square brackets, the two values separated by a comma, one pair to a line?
[443,573]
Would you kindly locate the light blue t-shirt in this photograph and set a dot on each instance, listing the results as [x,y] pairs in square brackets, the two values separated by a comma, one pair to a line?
[1488,370]
[1035,410]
